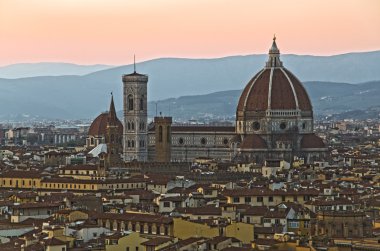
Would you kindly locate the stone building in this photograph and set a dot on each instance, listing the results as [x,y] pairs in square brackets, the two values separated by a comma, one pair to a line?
[343,224]
[274,120]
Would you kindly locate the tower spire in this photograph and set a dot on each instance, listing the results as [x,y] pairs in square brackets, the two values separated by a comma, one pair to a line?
[134,63]
[112,111]
[274,55]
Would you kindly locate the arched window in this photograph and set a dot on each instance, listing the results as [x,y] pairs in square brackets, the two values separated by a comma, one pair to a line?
[130,102]
[142,102]
[168,134]
[133,143]
[133,125]
[112,138]
[129,143]
[92,141]
[129,126]
[160,134]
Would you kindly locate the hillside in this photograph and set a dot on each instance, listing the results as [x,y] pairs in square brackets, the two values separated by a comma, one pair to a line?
[27,70]
[86,96]
[327,98]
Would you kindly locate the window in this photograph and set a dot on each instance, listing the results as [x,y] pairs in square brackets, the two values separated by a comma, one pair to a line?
[166,204]
[225,141]
[267,221]
[180,141]
[283,198]
[168,136]
[256,126]
[132,125]
[260,199]
[112,138]
[130,102]
[142,102]
[270,199]
[293,224]
[203,141]
[132,143]
[160,134]
[248,219]
[247,199]
[282,125]
[295,198]
[236,199]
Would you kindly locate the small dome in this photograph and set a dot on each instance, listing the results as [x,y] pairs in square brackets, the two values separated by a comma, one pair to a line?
[99,125]
[312,141]
[253,141]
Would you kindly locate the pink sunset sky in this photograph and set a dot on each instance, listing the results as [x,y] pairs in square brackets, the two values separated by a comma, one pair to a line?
[111,31]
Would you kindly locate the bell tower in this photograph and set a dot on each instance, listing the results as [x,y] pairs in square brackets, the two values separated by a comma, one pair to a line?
[135,117]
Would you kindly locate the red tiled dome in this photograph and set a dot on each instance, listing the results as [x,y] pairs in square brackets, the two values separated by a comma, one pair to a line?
[274,88]
[312,141]
[253,141]
[99,125]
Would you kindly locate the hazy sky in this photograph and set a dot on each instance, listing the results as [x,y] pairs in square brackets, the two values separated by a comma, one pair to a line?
[111,31]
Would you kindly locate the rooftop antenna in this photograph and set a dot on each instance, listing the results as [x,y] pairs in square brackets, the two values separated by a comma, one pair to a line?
[156,109]
[134,63]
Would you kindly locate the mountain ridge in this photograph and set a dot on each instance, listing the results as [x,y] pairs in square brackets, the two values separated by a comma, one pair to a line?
[85,96]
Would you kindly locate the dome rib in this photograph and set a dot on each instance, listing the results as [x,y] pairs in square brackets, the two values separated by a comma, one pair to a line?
[292,86]
[251,87]
[270,89]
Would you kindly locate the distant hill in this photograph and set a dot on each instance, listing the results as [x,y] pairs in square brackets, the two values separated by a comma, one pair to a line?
[48,69]
[327,98]
[86,96]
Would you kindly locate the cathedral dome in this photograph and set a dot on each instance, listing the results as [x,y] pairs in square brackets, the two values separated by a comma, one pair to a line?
[99,125]
[274,88]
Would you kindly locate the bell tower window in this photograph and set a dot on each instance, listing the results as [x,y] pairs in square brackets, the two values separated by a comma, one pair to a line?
[130,102]
[142,102]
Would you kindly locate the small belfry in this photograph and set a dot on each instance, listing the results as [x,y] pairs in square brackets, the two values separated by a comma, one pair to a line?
[113,137]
